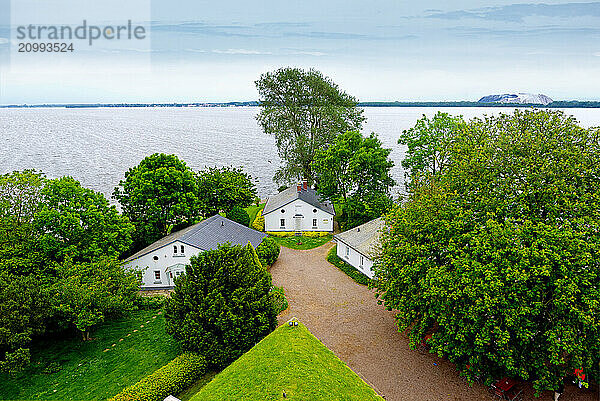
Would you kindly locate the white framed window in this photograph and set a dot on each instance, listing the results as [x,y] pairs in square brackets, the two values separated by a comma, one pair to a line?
[157,274]
[347,251]
[182,249]
[314,223]
[362,260]
[282,223]
[174,248]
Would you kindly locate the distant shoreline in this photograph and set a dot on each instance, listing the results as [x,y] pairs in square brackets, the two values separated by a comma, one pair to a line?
[554,105]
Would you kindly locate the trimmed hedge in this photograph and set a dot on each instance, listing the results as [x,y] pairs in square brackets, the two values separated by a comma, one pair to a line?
[268,252]
[259,222]
[238,215]
[351,271]
[279,300]
[171,379]
[307,234]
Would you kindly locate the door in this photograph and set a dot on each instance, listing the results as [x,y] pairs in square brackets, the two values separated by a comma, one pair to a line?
[298,226]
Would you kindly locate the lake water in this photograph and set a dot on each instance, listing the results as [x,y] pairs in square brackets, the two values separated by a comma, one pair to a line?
[97,145]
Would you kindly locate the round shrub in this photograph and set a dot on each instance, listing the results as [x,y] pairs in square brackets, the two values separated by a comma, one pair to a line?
[239,215]
[267,251]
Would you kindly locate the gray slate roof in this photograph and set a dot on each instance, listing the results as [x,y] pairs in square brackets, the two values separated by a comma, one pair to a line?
[207,235]
[309,196]
[364,238]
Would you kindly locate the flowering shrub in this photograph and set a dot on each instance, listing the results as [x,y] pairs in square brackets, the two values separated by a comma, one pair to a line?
[259,222]
[315,234]
[172,378]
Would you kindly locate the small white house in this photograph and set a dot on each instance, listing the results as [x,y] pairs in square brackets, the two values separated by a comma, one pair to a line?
[298,209]
[165,260]
[358,246]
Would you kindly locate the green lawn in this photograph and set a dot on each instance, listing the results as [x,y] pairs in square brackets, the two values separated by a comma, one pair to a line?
[302,242]
[290,359]
[85,370]
[253,211]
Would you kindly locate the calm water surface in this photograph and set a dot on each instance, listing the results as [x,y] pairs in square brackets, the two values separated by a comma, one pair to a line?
[97,145]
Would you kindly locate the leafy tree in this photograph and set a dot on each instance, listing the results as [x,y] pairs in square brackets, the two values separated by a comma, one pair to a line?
[159,194]
[87,293]
[77,222]
[222,306]
[428,143]
[354,173]
[20,195]
[24,312]
[221,189]
[239,215]
[305,111]
[498,257]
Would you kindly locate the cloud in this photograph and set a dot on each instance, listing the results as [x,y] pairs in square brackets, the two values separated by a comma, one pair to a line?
[241,51]
[3,41]
[517,12]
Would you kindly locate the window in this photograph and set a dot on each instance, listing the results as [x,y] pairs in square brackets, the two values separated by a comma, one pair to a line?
[347,251]
[362,260]
[282,223]
[178,274]
[157,274]
[282,210]
[314,210]
[174,248]
[182,249]
[155,258]
[314,223]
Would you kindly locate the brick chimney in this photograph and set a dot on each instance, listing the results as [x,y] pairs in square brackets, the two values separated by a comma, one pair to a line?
[299,187]
[305,185]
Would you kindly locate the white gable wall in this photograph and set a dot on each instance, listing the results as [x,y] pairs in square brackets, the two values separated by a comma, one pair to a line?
[354,258]
[298,206]
[166,264]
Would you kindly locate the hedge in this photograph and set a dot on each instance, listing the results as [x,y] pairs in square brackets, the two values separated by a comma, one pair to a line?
[268,251]
[171,379]
[307,234]
[351,271]
[238,215]
[259,222]
[280,302]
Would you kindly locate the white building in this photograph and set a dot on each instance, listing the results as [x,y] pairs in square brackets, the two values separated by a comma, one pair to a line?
[298,209]
[359,245]
[165,260]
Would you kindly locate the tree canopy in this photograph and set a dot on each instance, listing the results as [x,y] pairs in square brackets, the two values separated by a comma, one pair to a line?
[497,257]
[355,173]
[222,189]
[222,306]
[158,195]
[305,111]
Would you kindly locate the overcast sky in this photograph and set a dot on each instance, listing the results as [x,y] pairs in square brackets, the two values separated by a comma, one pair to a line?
[375,50]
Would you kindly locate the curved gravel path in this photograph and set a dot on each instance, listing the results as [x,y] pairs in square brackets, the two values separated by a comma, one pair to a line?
[345,316]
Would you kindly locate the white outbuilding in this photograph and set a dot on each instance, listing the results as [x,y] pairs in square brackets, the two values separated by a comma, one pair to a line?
[359,245]
[298,209]
[165,260]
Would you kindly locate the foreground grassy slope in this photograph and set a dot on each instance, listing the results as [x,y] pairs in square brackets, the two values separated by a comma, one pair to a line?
[69,369]
[290,359]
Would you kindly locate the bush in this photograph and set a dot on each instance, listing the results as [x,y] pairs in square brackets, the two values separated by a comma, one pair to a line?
[221,307]
[315,234]
[172,378]
[352,272]
[280,303]
[281,234]
[268,252]
[239,215]
[150,303]
[259,222]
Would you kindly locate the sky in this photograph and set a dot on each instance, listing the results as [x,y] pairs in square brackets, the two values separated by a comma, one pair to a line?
[377,50]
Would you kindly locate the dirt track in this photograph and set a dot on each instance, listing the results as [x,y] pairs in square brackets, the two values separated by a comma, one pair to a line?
[345,316]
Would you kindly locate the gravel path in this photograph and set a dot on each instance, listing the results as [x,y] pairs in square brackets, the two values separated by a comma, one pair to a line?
[345,316]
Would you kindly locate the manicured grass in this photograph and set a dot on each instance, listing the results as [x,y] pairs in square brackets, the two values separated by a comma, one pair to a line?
[302,242]
[253,211]
[290,359]
[191,391]
[351,271]
[86,370]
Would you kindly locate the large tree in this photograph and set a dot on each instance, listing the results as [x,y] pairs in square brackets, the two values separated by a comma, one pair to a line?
[498,257]
[222,189]
[222,306]
[429,143]
[77,222]
[305,111]
[158,195]
[355,173]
